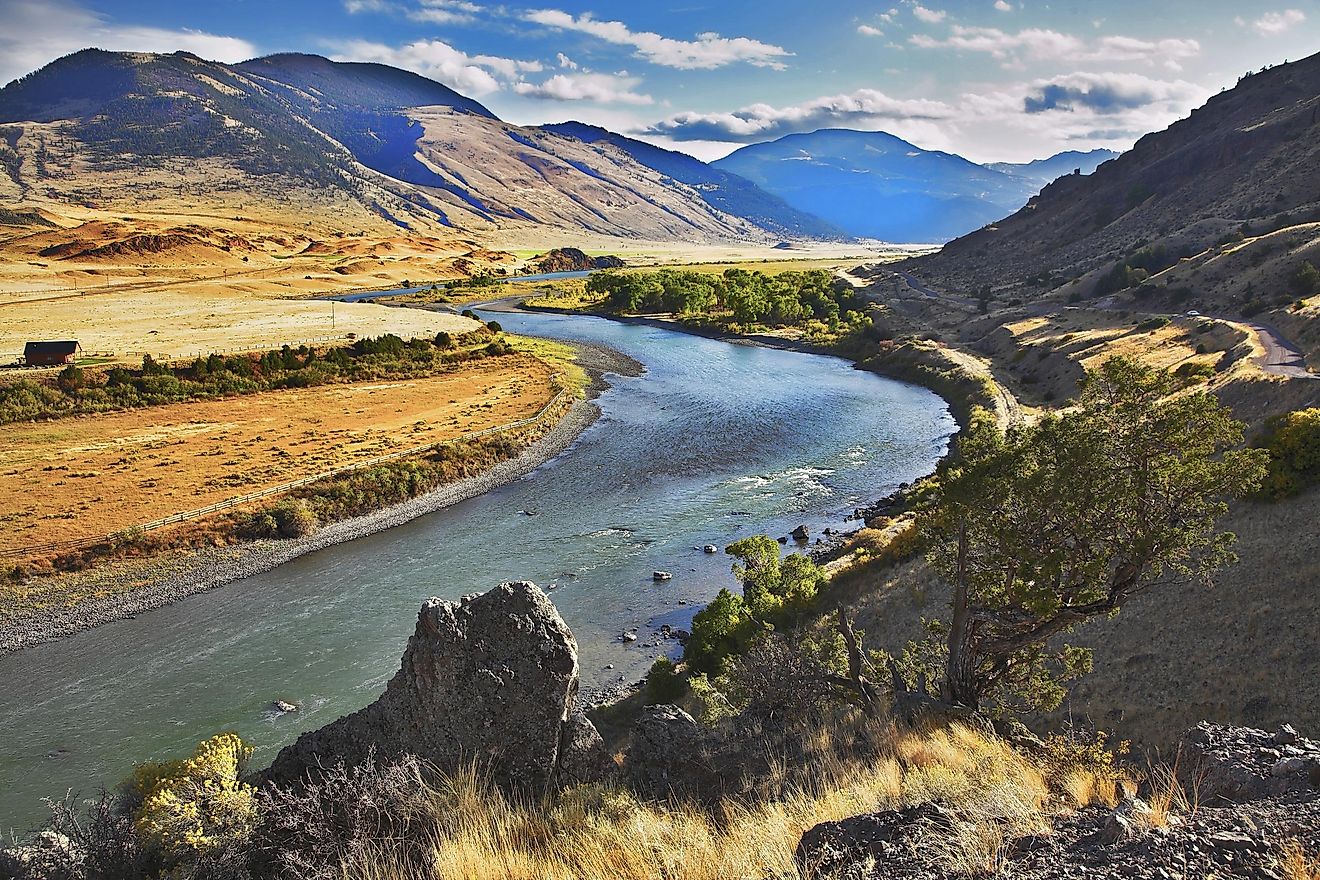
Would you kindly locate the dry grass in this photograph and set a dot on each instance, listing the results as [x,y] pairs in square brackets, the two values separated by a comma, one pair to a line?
[1298,864]
[74,479]
[592,832]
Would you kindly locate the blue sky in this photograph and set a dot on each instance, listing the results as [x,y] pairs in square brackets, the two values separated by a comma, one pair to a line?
[993,80]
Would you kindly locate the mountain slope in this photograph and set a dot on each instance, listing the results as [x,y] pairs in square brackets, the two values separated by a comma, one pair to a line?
[722,190]
[876,185]
[1218,213]
[361,145]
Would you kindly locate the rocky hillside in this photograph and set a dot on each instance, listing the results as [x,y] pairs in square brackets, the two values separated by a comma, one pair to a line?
[362,145]
[721,189]
[1218,213]
[876,185]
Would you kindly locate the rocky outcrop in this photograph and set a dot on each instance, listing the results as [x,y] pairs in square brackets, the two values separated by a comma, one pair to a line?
[490,679]
[48,856]
[1225,763]
[573,260]
[1251,801]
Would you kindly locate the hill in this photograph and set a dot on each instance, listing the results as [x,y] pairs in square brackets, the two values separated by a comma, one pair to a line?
[1219,213]
[367,145]
[720,189]
[876,185]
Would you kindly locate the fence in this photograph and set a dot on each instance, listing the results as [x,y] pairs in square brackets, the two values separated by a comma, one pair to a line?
[285,487]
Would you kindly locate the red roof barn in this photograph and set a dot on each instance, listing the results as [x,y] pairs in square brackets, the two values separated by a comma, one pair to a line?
[50,354]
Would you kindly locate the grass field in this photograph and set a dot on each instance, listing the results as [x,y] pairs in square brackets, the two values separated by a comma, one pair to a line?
[73,479]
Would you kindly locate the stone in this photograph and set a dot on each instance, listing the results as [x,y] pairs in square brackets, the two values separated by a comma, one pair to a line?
[49,855]
[1225,763]
[628,636]
[283,707]
[661,575]
[801,533]
[582,753]
[668,753]
[1128,820]
[853,847]
[490,679]
[1286,735]
[710,548]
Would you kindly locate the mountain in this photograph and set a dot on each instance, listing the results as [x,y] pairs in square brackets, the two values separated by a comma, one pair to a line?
[343,145]
[720,189]
[1219,212]
[1043,171]
[876,185]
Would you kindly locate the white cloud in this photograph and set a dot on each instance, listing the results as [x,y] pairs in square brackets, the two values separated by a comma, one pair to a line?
[473,75]
[1039,44]
[867,31]
[566,62]
[864,108]
[1016,122]
[1003,6]
[36,32]
[444,11]
[1274,23]
[930,16]
[600,88]
[707,51]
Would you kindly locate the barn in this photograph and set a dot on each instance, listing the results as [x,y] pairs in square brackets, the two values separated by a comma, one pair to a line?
[50,354]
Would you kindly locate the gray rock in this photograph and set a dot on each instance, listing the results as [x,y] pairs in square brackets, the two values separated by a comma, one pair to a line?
[582,753]
[801,533]
[47,856]
[711,548]
[669,752]
[1224,763]
[1286,735]
[490,679]
[863,847]
[1129,819]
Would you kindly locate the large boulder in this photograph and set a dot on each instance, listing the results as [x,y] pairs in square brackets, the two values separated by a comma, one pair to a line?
[670,753]
[47,856]
[1225,763]
[873,846]
[490,679]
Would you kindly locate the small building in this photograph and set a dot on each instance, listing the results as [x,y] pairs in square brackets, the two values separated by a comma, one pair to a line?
[51,354]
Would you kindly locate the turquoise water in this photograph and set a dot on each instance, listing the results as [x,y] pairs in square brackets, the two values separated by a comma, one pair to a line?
[715,442]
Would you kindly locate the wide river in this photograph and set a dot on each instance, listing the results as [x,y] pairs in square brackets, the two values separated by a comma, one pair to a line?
[716,441]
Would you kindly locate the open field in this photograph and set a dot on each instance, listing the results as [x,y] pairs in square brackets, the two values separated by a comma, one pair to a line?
[78,478]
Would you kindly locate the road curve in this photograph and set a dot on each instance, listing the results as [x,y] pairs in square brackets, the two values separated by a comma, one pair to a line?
[1282,357]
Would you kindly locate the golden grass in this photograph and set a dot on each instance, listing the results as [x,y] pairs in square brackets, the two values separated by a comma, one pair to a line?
[592,832]
[1298,864]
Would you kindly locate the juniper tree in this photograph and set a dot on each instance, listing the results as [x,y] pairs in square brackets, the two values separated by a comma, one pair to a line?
[1063,521]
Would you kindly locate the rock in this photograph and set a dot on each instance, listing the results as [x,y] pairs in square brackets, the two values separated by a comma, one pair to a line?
[1285,736]
[628,637]
[283,707]
[858,846]
[1224,763]
[491,678]
[1294,765]
[1129,820]
[668,752]
[661,575]
[801,533]
[582,754]
[710,548]
[572,259]
[48,856]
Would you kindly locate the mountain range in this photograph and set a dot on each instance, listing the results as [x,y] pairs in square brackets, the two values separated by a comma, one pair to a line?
[876,185]
[367,145]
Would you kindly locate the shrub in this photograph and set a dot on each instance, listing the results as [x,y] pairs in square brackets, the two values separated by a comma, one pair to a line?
[663,683]
[1152,324]
[197,805]
[1293,442]
[294,519]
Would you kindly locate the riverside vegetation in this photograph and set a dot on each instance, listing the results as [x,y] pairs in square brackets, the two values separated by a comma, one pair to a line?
[814,730]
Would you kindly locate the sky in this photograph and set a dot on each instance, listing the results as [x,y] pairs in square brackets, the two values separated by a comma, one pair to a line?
[993,80]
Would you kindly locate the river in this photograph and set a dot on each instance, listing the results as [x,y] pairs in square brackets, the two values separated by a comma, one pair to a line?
[716,441]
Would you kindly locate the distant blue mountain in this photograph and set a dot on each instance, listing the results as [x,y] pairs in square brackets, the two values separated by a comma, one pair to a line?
[876,185]
[1043,171]
[719,188]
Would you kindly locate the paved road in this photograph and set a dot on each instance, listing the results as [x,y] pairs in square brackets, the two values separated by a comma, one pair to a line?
[1282,357]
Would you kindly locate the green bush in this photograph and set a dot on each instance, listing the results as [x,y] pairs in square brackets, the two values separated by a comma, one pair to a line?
[1293,441]
[663,683]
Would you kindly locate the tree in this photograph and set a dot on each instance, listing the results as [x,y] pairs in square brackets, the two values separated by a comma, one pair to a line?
[776,592]
[1063,521]
[1306,280]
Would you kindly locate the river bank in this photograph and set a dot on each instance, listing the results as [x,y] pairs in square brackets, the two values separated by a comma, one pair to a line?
[135,586]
